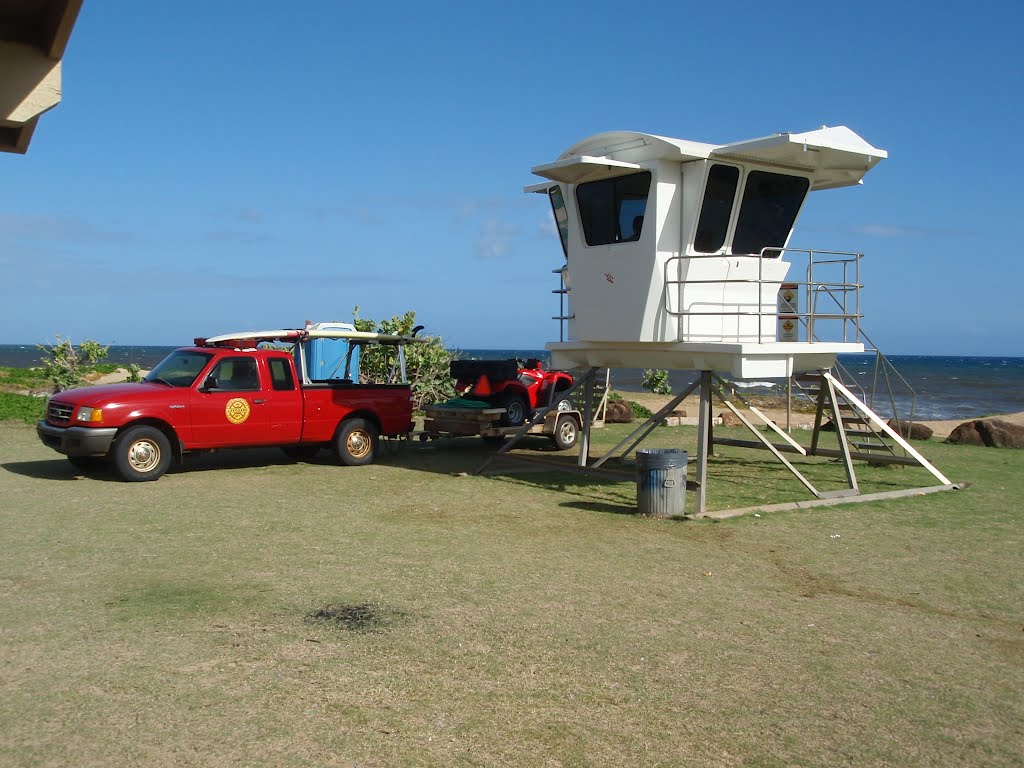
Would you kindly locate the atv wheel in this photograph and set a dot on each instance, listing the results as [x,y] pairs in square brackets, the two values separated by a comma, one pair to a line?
[516,410]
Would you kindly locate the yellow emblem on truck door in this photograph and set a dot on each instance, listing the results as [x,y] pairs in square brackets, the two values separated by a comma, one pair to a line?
[237,410]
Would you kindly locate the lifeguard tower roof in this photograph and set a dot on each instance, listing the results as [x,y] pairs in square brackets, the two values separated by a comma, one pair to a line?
[676,251]
[837,157]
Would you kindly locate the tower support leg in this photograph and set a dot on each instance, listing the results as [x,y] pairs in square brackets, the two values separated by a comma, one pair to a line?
[704,443]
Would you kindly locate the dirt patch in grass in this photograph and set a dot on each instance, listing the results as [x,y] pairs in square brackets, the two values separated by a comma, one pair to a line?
[354,617]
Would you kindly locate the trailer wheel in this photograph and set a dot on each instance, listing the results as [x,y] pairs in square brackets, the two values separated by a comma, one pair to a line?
[566,434]
[357,443]
[142,453]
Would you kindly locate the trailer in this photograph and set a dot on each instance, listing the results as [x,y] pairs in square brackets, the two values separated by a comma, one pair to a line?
[561,427]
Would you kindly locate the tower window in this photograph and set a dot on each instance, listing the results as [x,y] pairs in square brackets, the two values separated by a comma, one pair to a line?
[612,210]
[771,202]
[716,210]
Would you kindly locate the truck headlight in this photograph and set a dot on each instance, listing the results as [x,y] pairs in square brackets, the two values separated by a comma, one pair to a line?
[90,414]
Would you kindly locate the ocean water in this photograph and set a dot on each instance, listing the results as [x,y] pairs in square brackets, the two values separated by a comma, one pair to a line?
[937,387]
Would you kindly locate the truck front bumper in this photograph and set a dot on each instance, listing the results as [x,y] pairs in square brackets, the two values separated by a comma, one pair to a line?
[76,441]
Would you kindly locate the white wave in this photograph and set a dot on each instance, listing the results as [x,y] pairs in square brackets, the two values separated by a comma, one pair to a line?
[754,384]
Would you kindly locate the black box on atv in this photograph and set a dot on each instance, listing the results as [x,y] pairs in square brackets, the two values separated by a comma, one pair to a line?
[495,370]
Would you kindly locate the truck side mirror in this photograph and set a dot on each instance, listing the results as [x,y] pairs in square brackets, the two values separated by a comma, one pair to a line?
[209,383]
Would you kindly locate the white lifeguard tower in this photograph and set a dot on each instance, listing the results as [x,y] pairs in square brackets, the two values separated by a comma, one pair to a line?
[676,258]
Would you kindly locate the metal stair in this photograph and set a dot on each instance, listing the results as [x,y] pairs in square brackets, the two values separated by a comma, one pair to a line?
[861,434]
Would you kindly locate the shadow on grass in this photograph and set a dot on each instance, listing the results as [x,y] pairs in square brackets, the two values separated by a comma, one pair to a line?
[60,468]
[57,469]
[601,506]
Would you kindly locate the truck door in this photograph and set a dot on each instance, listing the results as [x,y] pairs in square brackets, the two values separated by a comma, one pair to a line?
[285,401]
[229,407]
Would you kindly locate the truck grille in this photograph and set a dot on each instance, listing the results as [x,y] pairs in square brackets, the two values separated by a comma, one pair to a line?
[58,412]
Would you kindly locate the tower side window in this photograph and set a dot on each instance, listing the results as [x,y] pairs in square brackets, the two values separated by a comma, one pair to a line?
[612,210]
[561,216]
[716,209]
[771,202]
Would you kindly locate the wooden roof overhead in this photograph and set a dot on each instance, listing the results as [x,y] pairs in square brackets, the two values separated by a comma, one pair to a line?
[33,36]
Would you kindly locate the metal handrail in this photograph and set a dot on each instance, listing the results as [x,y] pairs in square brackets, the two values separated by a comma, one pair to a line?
[810,285]
[839,292]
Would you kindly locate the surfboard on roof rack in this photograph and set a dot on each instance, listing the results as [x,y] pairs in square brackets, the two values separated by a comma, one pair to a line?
[293,335]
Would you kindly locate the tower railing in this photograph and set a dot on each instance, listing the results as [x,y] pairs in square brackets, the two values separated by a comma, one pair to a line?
[840,283]
[829,296]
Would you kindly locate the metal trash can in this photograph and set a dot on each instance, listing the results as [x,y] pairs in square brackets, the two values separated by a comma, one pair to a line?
[661,481]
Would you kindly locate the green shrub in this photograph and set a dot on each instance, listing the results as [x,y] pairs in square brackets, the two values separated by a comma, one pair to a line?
[65,365]
[640,411]
[656,381]
[427,364]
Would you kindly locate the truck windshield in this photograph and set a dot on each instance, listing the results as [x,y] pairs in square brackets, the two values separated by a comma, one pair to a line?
[180,368]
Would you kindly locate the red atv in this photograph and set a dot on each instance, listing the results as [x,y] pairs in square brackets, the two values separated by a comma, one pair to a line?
[518,389]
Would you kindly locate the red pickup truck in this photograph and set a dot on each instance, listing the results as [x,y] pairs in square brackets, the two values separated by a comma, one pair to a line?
[228,392]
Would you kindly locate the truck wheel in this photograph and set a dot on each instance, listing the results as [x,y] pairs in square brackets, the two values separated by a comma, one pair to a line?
[567,432]
[516,410]
[142,453]
[357,443]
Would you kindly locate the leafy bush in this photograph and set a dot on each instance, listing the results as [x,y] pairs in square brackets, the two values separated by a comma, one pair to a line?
[640,411]
[427,364]
[656,381]
[65,365]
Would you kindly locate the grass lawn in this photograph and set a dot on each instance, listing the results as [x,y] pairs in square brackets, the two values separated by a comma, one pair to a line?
[246,610]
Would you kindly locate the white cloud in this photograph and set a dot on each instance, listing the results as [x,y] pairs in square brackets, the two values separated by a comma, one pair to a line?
[495,239]
[896,230]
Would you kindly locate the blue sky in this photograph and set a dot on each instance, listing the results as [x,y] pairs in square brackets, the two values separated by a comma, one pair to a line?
[221,166]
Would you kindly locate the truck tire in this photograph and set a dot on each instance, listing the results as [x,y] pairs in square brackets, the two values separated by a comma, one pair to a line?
[567,432]
[357,442]
[516,408]
[142,453]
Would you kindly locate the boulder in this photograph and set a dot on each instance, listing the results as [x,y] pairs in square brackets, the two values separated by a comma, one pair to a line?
[993,433]
[729,419]
[910,429]
[618,412]
[674,419]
